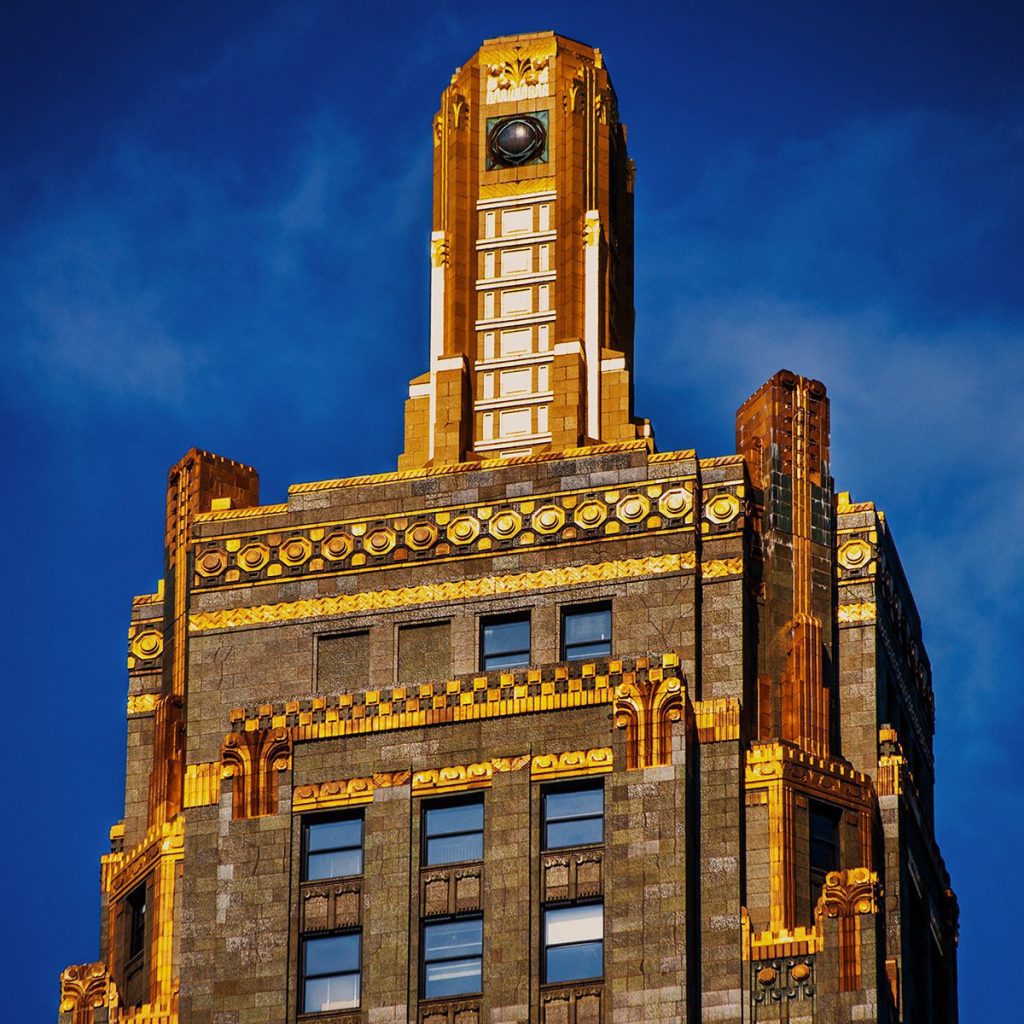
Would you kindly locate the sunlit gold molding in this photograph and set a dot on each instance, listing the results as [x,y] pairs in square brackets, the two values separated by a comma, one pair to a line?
[720,567]
[119,872]
[344,792]
[780,943]
[643,444]
[864,612]
[202,784]
[252,760]
[501,189]
[781,771]
[464,776]
[352,545]
[717,720]
[143,703]
[646,708]
[572,762]
[155,858]
[848,896]
[457,590]
[145,646]
[84,988]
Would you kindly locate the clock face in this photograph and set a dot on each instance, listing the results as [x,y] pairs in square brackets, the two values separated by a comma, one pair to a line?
[517,140]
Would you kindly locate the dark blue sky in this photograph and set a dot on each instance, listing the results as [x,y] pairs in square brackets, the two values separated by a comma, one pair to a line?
[215,220]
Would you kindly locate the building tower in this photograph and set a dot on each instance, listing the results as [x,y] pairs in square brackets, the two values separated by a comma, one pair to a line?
[546,727]
[531,260]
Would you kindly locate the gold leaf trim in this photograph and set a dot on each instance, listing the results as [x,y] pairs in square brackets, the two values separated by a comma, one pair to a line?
[864,612]
[458,590]
[572,762]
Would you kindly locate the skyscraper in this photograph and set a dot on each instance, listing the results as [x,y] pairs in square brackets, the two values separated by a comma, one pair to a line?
[547,725]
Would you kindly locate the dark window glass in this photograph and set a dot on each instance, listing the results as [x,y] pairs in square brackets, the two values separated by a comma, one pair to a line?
[586,632]
[452,953]
[573,815]
[453,831]
[505,642]
[330,973]
[574,942]
[334,847]
[824,836]
[135,976]
[136,922]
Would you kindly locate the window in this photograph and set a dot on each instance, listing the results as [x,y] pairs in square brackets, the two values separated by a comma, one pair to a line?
[505,642]
[343,663]
[424,653]
[452,954]
[586,632]
[333,847]
[453,831]
[573,815]
[330,972]
[824,836]
[136,911]
[574,942]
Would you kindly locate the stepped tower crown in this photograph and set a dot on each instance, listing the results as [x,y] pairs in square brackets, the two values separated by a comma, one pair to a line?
[531,256]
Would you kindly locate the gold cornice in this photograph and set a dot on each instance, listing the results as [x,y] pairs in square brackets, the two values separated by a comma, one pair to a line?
[643,444]
[457,590]
[458,777]
[240,513]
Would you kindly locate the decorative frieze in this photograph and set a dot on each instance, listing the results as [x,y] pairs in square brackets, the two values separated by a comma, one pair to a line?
[348,545]
[435,593]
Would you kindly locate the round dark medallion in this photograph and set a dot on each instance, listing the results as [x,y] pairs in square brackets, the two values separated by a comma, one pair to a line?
[516,140]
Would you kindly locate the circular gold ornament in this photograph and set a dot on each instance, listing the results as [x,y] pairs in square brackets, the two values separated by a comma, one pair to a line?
[379,541]
[854,554]
[675,503]
[295,551]
[148,644]
[722,508]
[253,557]
[590,514]
[337,547]
[421,536]
[505,524]
[211,563]
[632,509]
[548,519]
[463,530]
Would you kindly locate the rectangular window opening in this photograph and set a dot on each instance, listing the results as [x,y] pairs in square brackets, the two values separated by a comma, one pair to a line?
[331,973]
[453,830]
[587,632]
[823,821]
[505,642]
[452,957]
[573,814]
[333,847]
[573,942]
